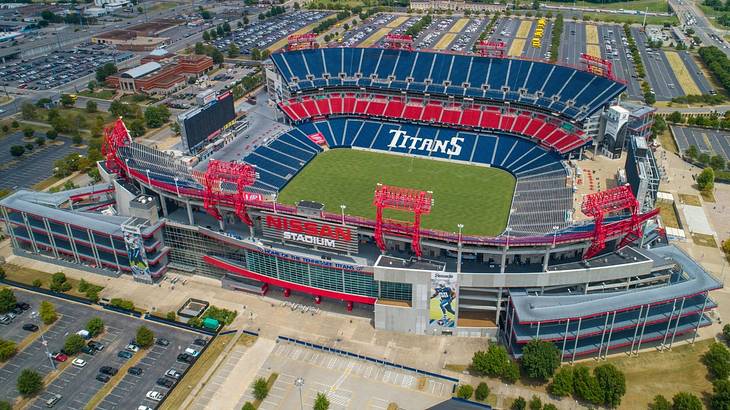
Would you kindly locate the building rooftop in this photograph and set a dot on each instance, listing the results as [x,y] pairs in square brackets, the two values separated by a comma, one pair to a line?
[142,70]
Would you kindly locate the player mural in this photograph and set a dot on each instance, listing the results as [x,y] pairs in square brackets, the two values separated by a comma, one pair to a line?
[442,308]
[137,256]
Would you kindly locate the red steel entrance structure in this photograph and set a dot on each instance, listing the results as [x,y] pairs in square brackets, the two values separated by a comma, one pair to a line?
[406,200]
[226,182]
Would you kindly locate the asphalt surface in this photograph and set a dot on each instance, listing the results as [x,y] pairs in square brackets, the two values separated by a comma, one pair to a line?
[78,385]
[709,141]
[659,73]
[622,67]
[572,45]
[695,72]
[34,166]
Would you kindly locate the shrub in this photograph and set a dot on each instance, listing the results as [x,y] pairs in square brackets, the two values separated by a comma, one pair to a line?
[122,303]
[260,389]
[482,392]
[29,382]
[535,403]
[37,283]
[7,300]
[686,401]
[8,349]
[464,391]
[540,359]
[612,384]
[717,360]
[726,328]
[562,384]
[519,404]
[171,316]
[321,402]
[248,406]
[224,316]
[59,283]
[73,344]
[5,406]
[145,338]
[95,326]
[48,312]
[511,373]
[660,403]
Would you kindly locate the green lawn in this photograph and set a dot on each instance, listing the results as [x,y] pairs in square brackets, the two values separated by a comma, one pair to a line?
[630,18]
[478,197]
[653,5]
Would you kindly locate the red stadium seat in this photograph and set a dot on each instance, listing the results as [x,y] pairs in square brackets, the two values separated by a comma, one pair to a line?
[432,112]
[310,107]
[349,104]
[520,123]
[336,104]
[533,127]
[360,105]
[298,109]
[490,119]
[451,116]
[376,107]
[413,112]
[470,118]
[395,108]
[506,122]
[323,105]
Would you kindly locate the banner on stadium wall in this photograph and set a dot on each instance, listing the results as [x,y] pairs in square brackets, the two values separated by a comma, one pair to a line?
[317,138]
[309,233]
[442,304]
[137,255]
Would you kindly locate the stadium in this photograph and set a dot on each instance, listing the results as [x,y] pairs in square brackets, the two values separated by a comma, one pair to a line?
[430,191]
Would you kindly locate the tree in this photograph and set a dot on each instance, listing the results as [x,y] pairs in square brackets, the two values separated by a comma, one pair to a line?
[686,401]
[255,54]
[612,384]
[692,152]
[7,300]
[511,372]
[105,71]
[52,134]
[206,37]
[37,283]
[28,132]
[92,85]
[171,315]
[706,180]
[704,158]
[535,403]
[717,360]
[217,56]
[720,399]
[493,362]
[156,116]
[482,392]
[321,402]
[73,344]
[28,111]
[660,403]
[145,338]
[540,359]
[17,150]
[233,52]
[8,349]
[59,283]
[66,100]
[91,106]
[519,404]
[717,163]
[40,141]
[726,328]
[47,312]
[136,128]
[260,389]
[248,406]
[77,140]
[586,386]
[95,326]
[549,406]
[29,382]
[562,384]
[219,31]
[5,406]
[464,391]
[199,48]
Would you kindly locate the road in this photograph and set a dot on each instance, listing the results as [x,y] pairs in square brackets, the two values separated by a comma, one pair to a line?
[690,16]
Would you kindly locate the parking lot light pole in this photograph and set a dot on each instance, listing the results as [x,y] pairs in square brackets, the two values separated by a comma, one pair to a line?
[36,316]
[299,382]
[342,212]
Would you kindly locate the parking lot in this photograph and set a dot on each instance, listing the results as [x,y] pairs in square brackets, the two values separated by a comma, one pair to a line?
[263,34]
[659,73]
[347,382]
[34,166]
[708,141]
[77,385]
[59,67]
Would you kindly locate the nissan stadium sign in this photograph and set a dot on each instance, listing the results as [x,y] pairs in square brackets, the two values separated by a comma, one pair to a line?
[306,232]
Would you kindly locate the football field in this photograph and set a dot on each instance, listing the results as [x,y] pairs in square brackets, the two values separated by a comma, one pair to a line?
[478,197]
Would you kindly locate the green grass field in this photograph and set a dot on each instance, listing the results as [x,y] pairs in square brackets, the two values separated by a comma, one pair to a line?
[477,197]
[653,5]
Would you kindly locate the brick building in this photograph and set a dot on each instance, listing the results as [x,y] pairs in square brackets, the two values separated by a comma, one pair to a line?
[161,74]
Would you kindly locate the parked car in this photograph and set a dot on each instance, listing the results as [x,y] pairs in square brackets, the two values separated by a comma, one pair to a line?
[5,320]
[185,358]
[137,371]
[132,347]
[30,327]
[102,377]
[165,382]
[98,346]
[173,374]
[108,370]
[162,342]
[154,395]
[125,354]
[53,400]
[88,350]
[23,305]
[78,362]
[192,352]
[59,357]
[200,342]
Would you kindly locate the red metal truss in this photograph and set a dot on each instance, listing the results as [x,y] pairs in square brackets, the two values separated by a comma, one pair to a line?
[604,203]
[597,65]
[491,48]
[301,41]
[398,42]
[405,200]
[115,136]
[226,182]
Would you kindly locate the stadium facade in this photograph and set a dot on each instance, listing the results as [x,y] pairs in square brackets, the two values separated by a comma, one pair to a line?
[591,286]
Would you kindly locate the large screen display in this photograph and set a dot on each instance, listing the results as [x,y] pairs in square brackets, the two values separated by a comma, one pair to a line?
[205,123]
